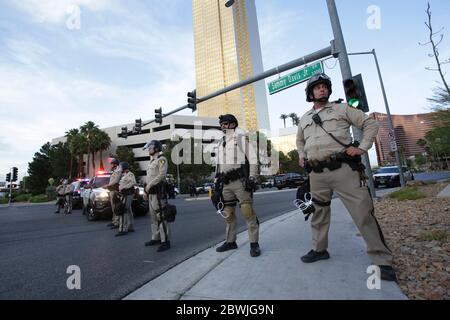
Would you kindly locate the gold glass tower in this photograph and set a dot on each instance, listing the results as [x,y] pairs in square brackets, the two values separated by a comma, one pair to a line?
[227,50]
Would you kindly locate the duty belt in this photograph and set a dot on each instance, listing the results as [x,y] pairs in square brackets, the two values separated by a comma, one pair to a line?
[334,162]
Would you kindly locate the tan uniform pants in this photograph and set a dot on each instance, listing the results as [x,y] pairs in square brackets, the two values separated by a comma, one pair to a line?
[159,227]
[115,217]
[231,193]
[126,221]
[357,199]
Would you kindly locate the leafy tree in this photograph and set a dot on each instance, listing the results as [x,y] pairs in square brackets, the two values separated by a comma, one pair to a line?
[126,154]
[59,157]
[39,170]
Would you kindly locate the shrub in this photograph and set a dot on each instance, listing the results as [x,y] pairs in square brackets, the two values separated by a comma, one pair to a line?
[435,235]
[39,198]
[408,193]
[23,198]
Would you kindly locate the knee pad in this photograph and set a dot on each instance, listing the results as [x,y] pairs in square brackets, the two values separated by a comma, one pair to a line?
[230,215]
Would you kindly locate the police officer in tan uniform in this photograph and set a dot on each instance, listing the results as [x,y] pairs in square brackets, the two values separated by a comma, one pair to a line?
[326,150]
[68,194]
[126,189]
[238,174]
[60,193]
[156,175]
[113,187]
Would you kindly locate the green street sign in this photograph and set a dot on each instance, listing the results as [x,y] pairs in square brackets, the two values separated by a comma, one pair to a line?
[295,78]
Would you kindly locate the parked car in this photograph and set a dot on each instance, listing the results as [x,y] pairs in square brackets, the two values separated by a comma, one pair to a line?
[77,196]
[288,180]
[96,202]
[268,184]
[205,188]
[390,176]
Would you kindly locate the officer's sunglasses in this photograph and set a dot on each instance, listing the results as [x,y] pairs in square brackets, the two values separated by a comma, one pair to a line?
[224,123]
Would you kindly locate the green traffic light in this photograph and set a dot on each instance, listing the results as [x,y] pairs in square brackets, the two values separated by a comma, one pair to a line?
[354,102]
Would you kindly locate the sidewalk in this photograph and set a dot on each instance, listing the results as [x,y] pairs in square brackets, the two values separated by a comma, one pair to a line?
[278,273]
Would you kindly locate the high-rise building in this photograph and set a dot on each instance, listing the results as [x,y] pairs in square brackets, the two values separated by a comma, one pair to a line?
[408,130]
[228,50]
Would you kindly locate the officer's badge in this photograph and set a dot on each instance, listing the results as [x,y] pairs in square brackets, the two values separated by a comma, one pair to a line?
[162,161]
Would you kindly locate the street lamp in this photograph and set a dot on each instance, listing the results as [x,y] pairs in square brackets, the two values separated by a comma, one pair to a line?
[388,112]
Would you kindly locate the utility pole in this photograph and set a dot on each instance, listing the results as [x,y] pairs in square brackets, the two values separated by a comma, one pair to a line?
[347,74]
[388,112]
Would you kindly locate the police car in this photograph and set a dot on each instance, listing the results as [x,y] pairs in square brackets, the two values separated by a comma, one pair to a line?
[390,176]
[96,200]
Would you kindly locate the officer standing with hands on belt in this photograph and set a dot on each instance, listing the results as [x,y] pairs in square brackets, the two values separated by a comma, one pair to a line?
[113,187]
[238,174]
[156,176]
[326,151]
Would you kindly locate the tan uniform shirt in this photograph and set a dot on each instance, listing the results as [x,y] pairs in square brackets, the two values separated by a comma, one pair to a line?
[127,181]
[115,177]
[314,143]
[232,155]
[61,189]
[68,188]
[157,171]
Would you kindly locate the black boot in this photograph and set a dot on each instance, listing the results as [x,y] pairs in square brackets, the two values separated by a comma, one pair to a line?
[387,273]
[152,243]
[164,246]
[227,246]
[254,249]
[121,233]
[314,256]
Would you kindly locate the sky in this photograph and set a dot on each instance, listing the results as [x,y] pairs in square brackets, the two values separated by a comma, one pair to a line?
[66,62]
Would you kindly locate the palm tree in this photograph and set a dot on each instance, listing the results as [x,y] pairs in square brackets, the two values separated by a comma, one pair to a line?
[296,120]
[293,116]
[284,117]
[90,131]
[104,142]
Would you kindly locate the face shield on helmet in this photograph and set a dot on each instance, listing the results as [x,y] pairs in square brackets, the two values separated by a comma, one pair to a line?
[227,119]
[154,144]
[314,81]
[125,166]
[114,161]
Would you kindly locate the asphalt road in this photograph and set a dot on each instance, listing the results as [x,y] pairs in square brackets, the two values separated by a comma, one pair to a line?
[37,246]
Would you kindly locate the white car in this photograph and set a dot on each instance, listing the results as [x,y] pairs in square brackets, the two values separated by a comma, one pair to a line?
[390,176]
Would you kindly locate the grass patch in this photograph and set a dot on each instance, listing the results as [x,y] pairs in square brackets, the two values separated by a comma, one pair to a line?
[39,198]
[3,200]
[435,235]
[408,193]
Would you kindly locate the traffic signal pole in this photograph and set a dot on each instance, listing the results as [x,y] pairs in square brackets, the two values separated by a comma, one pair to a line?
[388,112]
[346,72]
[323,53]
[10,188]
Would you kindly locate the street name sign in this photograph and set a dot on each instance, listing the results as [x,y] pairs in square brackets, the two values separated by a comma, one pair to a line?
[295,78]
